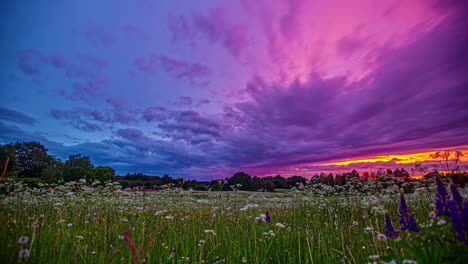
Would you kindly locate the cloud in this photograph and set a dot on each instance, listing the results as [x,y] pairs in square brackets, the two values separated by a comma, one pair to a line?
[183,101]
[15,116]
[156,113]
[202,102]
[30,61]
[146,65]
[194,73]
[130,133]
[132,31]
[414,99]
[181,29]
[348,46]
[92,61]
[91,120]
[58,61]
[213,26]
[76,120]
[100,37]
[189,126]
[86,91]
[216,28]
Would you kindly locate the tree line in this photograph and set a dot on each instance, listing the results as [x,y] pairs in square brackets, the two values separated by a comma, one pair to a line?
[30,162]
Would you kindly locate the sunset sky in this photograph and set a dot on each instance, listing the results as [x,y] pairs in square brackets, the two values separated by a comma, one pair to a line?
[205,89]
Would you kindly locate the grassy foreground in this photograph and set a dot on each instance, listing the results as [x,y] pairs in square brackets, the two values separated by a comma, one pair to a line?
[76,223]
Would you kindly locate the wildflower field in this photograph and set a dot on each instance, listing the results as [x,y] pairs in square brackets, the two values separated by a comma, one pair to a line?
[365,222]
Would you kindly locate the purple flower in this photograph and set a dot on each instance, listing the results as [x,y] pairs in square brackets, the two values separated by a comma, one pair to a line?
[389,229]
[24,253]
[267,217]
[457,220]
[407,220]
[441,198]
[464,216]
[456,195]
[23,240]
[458,212]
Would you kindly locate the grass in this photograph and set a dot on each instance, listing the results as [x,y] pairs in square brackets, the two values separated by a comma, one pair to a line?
[82,224]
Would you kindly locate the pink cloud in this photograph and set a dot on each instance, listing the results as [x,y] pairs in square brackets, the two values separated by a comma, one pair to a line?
[297,37]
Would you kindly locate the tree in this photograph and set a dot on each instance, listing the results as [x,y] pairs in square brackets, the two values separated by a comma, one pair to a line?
[241,178]
[295,180]
[102,173]
[8,150]
[280,182]
[51,175]
[77,167]
[448,159]
[33,158]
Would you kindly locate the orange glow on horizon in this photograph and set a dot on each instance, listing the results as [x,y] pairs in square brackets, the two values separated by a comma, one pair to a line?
[401,159]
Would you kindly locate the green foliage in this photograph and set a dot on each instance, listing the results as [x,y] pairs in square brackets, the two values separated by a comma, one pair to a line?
[27,159]
[51,175]
[8,150]
[33,158]
[30,182]
[77,167]
[102,174]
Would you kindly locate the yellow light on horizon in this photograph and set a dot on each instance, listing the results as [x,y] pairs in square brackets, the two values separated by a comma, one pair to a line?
[399,159]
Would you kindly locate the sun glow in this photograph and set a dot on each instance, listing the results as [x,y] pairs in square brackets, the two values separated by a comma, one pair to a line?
[400,159]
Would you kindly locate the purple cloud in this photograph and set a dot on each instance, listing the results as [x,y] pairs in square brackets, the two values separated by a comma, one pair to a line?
[92,61]
[183,101]
[415,99]
[58,61]
[30,61]
[130,133]
[213,26]
[156,113]
[133,31]
[180,28]
[146,65]
[93,119]
[189,126]
[194,73]
[202,102]
[86,91]
[75,119]
[100,37]
[85,67]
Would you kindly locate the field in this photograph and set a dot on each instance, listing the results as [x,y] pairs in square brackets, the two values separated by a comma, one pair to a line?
[78,223]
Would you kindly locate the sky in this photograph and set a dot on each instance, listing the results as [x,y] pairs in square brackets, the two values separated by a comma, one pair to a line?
[205,89]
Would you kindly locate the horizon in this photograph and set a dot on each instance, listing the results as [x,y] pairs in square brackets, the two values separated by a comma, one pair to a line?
[203,91]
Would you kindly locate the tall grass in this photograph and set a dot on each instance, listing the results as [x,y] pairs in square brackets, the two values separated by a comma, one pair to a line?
[82,224]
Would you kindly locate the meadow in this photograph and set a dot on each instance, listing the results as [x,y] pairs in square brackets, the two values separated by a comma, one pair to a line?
[101,223]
